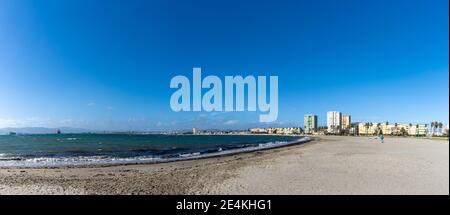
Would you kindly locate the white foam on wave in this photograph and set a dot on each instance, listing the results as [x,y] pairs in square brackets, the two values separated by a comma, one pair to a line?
[75,161]
[189,154]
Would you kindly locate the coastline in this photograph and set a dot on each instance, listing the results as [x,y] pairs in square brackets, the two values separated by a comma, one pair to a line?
[178,177]
[229,152]
[326,165]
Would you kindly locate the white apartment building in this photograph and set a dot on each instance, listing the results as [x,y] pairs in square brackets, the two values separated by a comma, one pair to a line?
[334,121]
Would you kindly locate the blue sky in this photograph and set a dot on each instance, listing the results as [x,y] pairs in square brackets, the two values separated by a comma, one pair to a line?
[108,64]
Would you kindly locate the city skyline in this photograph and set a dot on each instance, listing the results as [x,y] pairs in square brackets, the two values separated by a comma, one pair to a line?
[334,120]
[111,70]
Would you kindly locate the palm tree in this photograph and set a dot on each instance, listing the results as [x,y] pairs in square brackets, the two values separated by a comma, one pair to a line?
[403,131]
[432,128]
[371,124]
[440,125]
[367,128]
[385,127]
[396,129]
[378,128]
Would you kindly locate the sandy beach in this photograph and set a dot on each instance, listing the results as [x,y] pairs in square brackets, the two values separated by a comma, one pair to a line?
[327,165]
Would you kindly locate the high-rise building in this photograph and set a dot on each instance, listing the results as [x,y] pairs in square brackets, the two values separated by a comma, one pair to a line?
[346,121]
[334,121]
[310,123]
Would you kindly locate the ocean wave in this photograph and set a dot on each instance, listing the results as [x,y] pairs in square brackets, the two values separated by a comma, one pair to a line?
[189,154]
[55,161]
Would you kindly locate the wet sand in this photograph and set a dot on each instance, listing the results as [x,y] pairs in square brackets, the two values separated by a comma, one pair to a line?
[327,165]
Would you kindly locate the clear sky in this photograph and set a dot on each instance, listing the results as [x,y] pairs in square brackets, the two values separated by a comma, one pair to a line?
[108,64]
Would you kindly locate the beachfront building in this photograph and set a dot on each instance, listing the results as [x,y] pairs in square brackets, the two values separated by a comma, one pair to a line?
[354,129]
[418,130]
[194,131]
[258,131]
[334,122]
[422,129]
[445,130]
[413,131]
[370,128]
[290,130]
[287,131]
[346,121]
[310,123]
[346,124]
[395,129]
[366,128]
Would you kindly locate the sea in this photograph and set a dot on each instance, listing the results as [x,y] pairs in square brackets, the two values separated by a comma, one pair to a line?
[49,150]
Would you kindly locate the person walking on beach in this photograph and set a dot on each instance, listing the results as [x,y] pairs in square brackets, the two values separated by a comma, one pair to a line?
[381,137]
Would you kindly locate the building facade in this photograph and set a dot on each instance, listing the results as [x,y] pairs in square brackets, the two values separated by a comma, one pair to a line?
[334,122]
[366,128]
[354,129]
[290,131]
[310,123]
[395,129]
[418,130]
[346,121]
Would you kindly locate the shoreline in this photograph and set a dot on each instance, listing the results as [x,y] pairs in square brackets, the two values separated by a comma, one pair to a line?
[170,178]
[325,165]
[229,152]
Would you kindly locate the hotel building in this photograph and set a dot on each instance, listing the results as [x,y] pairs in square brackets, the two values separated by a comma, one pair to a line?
[392,129]
[310,123]
[334,122]
[346,121]
[418,130]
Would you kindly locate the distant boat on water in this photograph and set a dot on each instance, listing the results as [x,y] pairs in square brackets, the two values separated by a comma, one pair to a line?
[12,133]
[58,131]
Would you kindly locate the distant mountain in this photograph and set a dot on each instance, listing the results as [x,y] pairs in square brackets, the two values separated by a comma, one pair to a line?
[42,130]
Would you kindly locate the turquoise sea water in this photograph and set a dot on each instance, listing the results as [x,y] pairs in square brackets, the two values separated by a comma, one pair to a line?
[91,149]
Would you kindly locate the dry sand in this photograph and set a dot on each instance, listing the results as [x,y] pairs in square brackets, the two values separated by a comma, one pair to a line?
[328,165]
